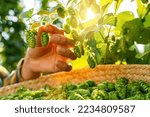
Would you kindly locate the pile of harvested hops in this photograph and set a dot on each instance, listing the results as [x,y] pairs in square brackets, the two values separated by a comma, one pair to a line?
[122,89]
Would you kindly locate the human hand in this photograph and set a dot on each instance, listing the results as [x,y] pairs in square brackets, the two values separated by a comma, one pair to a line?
[49,59]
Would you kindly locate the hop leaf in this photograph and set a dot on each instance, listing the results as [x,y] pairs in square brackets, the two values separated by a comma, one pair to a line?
[44,39]
[30,38]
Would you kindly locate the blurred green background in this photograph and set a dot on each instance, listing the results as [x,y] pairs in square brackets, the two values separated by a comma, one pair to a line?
[12,46]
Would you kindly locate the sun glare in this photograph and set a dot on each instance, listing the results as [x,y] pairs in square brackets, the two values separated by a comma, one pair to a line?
[90,15]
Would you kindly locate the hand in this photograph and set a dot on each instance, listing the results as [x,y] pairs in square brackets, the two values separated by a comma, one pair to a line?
[49,59]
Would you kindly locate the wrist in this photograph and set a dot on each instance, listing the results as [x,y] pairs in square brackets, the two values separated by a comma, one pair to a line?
[28,71]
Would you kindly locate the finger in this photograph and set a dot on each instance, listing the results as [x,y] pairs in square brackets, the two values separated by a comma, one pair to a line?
[49,29]
[53,29]
[63,66]
[65,52]
[62,40]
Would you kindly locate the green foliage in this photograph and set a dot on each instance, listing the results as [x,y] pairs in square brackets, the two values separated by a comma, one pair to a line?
[107,37]
[27,14]
[12,46]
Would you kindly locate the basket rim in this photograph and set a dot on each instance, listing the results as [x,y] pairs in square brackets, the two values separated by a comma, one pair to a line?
[56,78]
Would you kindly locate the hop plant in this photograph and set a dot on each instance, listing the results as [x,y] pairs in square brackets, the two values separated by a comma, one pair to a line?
[144,1]
[83,85]
[66,28]
[76,96]
[73,21]
[113,95]
[71,87]
[144,87]
[30,38]
[71,11]
[75,35]
[61,11]
[44,39]
[91,61]
[99,95]
[77,51]
[91,83]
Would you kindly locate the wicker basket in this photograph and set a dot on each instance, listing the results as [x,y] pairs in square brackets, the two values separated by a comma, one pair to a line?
[98,74]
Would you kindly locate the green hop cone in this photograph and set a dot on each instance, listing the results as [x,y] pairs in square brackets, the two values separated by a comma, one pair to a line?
[91,83]
[68,20]
[82,49]
[71,87]
[73,21]
[75,96]
[75,35]
[91,61]
[77,51]
[44,39]
[144,1]
[30,38]
[144,87]
[71,11]
[61,11]
[66,28]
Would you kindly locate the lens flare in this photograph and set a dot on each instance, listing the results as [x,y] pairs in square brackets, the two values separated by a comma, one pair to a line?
[90,15]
